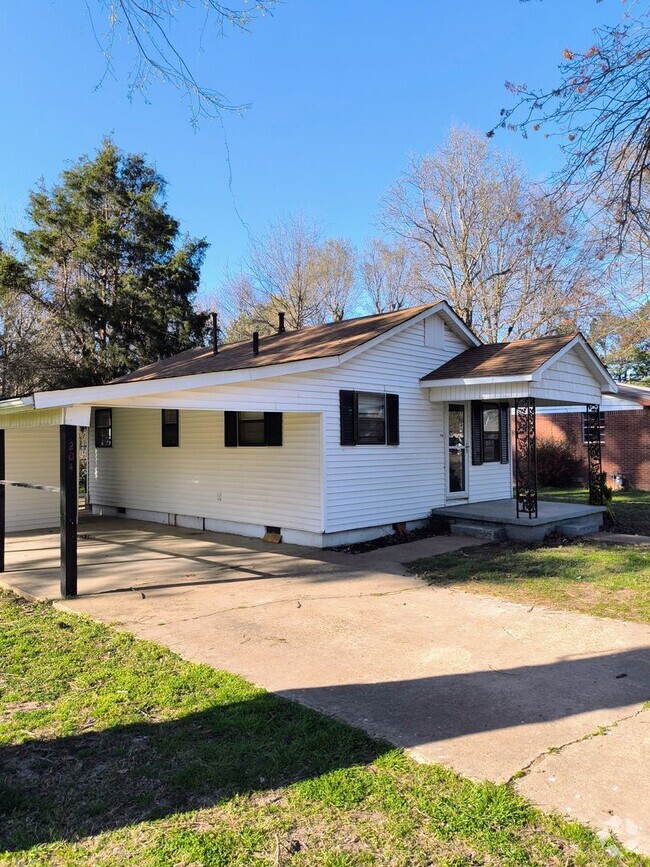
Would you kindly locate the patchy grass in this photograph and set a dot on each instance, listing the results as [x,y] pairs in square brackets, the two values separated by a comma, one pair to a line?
[629,511]
[115,751]
[596,578]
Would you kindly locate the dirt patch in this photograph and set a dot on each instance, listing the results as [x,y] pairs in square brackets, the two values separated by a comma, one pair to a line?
[11,709]
[433,527]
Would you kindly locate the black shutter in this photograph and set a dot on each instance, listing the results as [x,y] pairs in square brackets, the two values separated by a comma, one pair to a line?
[392,419]
[477,432]
[230,428]
[273,428]
[348,418]
[504,431]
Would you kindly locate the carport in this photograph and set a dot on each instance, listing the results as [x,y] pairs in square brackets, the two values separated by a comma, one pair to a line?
[22,426]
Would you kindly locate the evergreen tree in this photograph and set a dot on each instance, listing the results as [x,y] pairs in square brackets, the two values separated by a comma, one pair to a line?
[106,264]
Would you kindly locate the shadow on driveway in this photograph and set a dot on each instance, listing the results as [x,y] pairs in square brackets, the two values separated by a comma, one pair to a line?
[71,787]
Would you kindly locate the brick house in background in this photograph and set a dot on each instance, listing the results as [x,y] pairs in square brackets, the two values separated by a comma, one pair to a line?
[625,427]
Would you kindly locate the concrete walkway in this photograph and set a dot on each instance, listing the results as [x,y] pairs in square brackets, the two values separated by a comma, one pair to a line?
[489,687]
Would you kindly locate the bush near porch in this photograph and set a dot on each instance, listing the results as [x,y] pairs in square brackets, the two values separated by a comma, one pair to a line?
[557,464]
[594,578]
[117,751]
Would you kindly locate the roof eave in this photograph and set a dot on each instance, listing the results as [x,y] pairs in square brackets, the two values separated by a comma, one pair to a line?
[475,380]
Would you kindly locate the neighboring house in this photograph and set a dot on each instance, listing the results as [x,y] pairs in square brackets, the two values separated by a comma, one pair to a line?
[624,434]
[326,435]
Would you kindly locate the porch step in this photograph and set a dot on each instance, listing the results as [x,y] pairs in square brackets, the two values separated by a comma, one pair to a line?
[581,526]
[489,532]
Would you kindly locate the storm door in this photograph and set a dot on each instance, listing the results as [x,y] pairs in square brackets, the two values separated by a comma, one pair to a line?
[457,447]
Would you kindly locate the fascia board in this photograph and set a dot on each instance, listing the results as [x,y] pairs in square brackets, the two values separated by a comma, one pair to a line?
[117,391]
[474,380]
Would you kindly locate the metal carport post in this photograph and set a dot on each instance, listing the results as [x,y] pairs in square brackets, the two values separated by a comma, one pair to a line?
[68,492]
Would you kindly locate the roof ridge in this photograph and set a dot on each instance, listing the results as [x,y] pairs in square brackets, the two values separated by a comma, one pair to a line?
[327,339]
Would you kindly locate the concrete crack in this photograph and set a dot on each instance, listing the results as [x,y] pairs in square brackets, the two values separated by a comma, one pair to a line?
[301,600]
[552,751]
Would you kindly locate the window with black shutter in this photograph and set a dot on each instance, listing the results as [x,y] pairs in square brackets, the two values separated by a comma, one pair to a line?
[170,424]
[490,432]
[369,418]
[103,428]
[253,428]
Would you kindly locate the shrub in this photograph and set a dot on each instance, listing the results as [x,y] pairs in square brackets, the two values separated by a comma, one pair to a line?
[557,465]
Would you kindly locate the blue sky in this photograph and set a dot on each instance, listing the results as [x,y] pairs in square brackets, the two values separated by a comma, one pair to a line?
[340,94]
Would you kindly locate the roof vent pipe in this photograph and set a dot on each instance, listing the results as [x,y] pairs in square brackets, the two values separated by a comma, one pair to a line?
[215,334]
[281,328]
[256,342]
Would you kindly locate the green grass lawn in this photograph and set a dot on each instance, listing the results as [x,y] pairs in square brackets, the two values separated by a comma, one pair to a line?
[115,751]
[596,578]
[629,511]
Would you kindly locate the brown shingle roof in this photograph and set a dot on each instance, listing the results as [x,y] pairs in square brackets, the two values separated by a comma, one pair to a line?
[317,341]
[518,358]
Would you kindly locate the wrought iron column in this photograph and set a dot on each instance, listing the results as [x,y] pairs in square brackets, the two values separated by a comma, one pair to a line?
[594,458]
[525,457]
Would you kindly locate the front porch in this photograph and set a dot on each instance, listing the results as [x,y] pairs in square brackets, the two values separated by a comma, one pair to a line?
[498,519]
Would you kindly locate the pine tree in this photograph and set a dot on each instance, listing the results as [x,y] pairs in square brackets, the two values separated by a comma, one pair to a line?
[106,263]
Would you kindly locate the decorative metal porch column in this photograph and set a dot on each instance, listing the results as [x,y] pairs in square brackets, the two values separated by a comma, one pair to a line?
[525,457]
[594,458]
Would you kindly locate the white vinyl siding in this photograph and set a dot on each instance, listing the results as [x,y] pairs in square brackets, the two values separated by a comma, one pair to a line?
[32,455]
[370,485]
[568,379]
[277,486]
[491,481]
[363,485]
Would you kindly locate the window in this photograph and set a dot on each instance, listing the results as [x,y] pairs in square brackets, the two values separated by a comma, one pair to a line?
[601,427]
[490,432]
[252,429]
[170,428]
[491,435]
[369,418]
[103,428]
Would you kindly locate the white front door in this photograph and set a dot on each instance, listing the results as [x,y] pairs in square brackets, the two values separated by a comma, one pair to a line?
[457,450]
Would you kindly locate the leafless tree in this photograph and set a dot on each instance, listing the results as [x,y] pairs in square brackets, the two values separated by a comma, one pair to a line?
[334,265]
[489,241]
[600,112]
[291,268]
[387,275]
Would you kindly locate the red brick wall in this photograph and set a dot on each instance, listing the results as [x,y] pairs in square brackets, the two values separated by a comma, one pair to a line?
[626,449]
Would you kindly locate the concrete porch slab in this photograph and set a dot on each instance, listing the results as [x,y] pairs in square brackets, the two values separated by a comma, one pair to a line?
[573,519]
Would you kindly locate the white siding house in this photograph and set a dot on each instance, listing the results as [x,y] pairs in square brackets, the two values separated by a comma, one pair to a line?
[413,378]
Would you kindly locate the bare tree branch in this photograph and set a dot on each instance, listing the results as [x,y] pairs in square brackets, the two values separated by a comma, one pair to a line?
[147,26]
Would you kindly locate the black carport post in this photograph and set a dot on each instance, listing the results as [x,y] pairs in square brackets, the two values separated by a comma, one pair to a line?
[69,503]
[3,502]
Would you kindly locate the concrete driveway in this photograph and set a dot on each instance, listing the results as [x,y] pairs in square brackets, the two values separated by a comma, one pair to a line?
[488,687]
